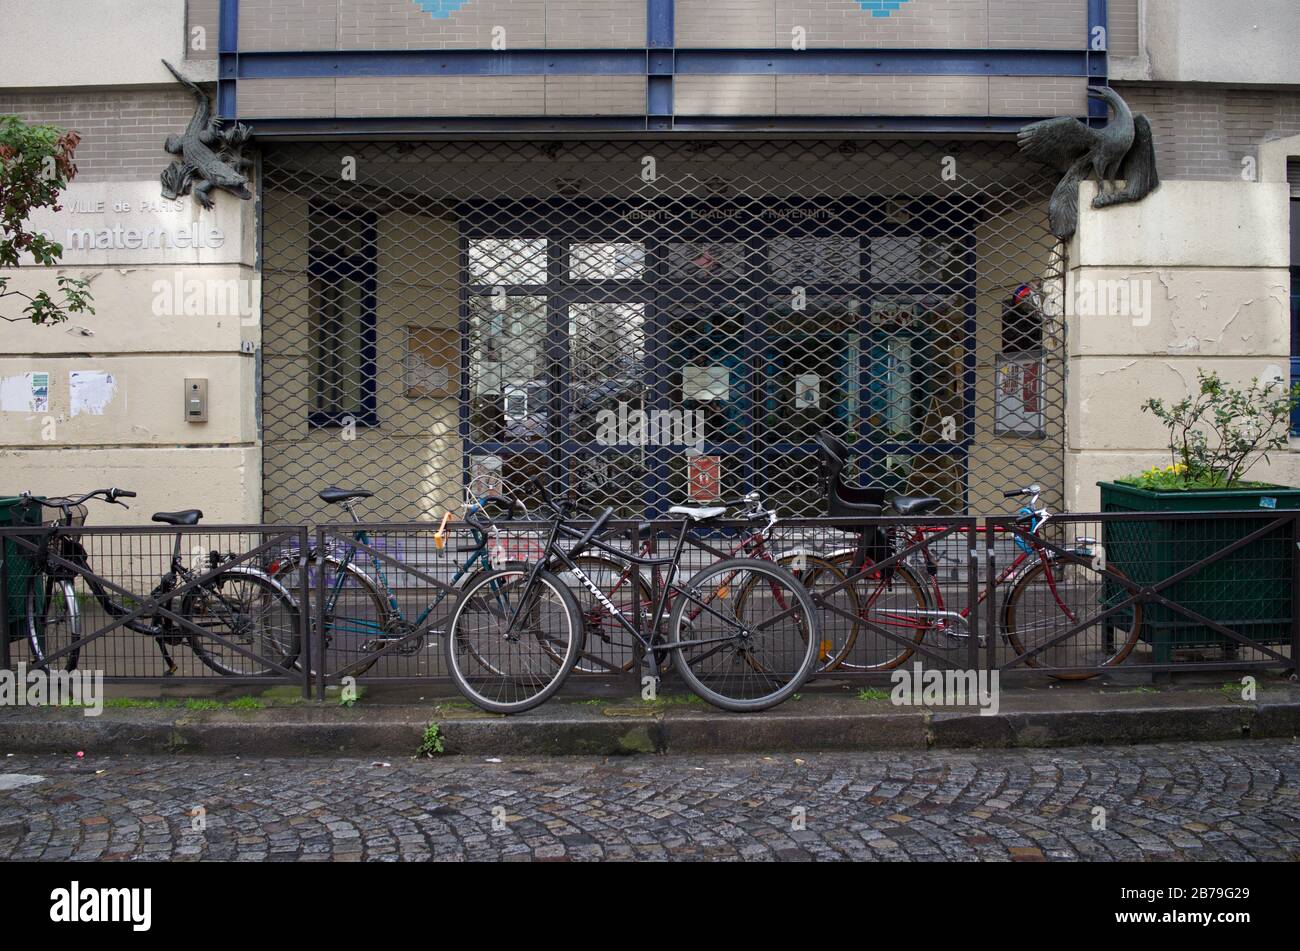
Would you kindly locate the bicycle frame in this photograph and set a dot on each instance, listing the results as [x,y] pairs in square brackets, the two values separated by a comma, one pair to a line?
[1029,552]
[667,587]
[478,558]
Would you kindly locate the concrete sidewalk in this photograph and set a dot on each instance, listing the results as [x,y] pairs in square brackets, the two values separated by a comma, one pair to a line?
[392,722]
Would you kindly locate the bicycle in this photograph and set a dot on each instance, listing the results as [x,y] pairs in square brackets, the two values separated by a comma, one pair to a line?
[358,605]
[1051,592]
[527,620]
[625,585]
[232,605]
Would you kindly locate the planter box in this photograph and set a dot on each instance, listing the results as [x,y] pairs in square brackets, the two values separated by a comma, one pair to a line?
[1249,591]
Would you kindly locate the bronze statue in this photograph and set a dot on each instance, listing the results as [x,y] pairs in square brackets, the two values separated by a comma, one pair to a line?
[209,154]
[1123,150]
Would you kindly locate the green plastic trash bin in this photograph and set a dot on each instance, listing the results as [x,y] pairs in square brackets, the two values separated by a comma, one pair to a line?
[18,563]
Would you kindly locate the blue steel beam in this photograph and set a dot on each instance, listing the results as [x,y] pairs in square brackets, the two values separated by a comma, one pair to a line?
[501,126]
[631,62]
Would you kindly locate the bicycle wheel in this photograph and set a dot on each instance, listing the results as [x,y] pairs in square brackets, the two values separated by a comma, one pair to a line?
[827,584]
[360,617]
[743,634]
[245,610]
[503,640]
[608,649]
[53,620]
[1043,605]
[891,615]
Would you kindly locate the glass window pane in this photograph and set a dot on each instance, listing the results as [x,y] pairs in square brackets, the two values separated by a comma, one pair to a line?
[914,259]
[809,369]
[607,367]
[800,259]
[508,261]
[705,261]
[607,261]
[508,373]
[338,325]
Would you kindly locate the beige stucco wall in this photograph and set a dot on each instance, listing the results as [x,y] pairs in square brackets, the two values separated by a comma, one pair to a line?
[162,315]
[67,43]
[1215,257]
[416,290]
[1208,41]
[1022,251]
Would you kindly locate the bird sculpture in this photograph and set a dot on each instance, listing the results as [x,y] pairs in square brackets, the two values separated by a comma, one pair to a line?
[1122,151]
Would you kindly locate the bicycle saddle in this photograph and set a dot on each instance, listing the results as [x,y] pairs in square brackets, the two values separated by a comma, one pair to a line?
[186,517]
[701,513]
[915,504]
[335,494]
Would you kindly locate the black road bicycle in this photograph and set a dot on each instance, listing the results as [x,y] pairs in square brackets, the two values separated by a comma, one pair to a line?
[743,633]
[251,618]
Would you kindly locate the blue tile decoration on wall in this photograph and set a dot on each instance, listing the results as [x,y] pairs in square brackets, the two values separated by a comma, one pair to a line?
[440,9]
[881,8]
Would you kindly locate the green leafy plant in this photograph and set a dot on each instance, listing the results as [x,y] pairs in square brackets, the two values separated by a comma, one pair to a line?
[431,742]
[36,164]
[1218,433]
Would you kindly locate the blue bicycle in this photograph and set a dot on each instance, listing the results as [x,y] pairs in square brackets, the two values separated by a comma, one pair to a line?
[362,613]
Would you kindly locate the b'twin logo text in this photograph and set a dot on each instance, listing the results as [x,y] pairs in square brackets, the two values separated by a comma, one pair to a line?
[77,904]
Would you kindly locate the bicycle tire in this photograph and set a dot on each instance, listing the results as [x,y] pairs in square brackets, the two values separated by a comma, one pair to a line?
[1013,617]
[788,667]
[913,597]
[38,636]
[597,620]
[517,672]
[212,601]
[821,573]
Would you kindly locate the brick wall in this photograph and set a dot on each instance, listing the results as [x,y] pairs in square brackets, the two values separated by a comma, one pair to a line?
[1203,133]
[919,24]
[122,133]
[414,96]
[405,24]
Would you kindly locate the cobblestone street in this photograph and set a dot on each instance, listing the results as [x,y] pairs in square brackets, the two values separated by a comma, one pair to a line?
[1201,802]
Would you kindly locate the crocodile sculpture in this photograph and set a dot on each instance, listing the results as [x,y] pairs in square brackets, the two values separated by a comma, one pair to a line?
[209,155]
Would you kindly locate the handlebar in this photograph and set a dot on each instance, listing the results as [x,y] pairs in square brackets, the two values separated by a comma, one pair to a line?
[1034,490]
[109,495]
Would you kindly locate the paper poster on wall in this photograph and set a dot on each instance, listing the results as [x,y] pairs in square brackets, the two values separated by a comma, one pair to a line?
[706,383]
[704,474]
[90,391]
[432,364]
[1019,395]
[25,393]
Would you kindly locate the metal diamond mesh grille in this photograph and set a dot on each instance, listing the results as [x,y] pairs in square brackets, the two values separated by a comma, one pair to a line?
[644,322]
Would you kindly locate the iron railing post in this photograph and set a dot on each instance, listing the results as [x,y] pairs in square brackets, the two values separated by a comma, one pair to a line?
[1295,594]
[319,626]
[973,594]
[990,605]
[305,621]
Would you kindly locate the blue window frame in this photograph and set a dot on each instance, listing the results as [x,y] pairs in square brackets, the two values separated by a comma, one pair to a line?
[342,335]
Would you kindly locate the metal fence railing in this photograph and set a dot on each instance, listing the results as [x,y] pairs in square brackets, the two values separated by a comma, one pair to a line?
[1085,594]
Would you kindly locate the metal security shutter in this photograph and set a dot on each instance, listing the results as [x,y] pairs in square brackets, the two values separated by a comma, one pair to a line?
[646,321]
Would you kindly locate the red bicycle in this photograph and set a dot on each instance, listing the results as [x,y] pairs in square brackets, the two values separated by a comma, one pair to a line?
[1061,611]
